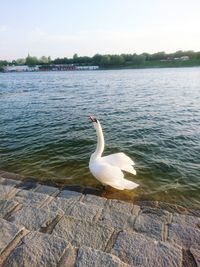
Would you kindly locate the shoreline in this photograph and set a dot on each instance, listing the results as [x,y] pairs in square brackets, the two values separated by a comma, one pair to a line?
[99,191]
[157,65]
[42,224]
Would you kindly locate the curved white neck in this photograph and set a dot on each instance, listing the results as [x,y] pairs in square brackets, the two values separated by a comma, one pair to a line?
[100,141]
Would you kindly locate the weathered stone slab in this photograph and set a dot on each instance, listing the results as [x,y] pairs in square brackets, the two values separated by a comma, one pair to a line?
[70,194]
[36,250]
[8,232]
[116,219]
[117,205]
[6,206]
[85,211]
[46,189]
[95,258]
[150,221]
[1,179]
[138,250]
[60,205]
[184,236]
[30,198]
[95,200]
[7,191]
[33,218]
[81,232]
[28,185]
[191,221]
[11,175]
[196,254]
[10,182]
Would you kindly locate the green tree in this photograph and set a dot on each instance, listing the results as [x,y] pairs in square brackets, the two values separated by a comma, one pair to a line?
[138,59]
[96,60]
[31,61]
[117,60]
[20,61]
[105,60]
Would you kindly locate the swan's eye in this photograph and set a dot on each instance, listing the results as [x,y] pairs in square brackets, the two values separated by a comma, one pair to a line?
[95,120]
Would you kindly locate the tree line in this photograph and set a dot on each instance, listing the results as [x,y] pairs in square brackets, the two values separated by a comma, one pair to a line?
[104,60]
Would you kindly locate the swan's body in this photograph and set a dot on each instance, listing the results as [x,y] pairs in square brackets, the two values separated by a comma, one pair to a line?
[108,169]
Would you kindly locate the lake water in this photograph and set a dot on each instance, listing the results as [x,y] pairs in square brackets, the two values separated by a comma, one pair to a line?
[153,115]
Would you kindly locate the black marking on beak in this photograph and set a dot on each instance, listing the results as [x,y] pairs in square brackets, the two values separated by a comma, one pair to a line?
[93,119]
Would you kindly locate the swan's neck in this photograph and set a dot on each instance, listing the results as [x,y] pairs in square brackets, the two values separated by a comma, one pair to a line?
[100,141]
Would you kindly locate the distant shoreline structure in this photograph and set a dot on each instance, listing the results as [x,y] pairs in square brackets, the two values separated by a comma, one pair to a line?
[25,68]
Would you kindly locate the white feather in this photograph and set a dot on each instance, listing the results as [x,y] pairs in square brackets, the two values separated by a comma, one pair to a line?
[122,161]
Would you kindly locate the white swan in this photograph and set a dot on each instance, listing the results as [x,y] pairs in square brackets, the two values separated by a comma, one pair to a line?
[108,169]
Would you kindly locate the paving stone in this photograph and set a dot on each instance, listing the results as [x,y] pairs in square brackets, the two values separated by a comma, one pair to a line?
[70,194]
[33,218]
[28,185]
[46,189]
[1,179]
[88,257]
[95,200]
[183,235]
[196,254]
[140,251]
[30,198]
[10,182]
[8,232]
[7,191]
[81,232]
[11,175]
[116,219]
[85,211]
[37,250]
[187,220]
[122,206]
[6,206]
[60,205]
[150,221]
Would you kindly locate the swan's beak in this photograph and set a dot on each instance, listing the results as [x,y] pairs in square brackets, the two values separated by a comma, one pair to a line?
[93,119]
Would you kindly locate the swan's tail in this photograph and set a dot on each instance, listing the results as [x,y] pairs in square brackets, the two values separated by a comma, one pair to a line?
[129,184]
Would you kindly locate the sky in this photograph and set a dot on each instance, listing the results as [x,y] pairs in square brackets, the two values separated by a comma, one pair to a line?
[61,28]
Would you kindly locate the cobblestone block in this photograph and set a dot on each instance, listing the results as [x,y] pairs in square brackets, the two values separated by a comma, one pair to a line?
[60,205]
[196,254]
[49,190]
[184,236]
[140,251]
[7,191]
[6,206]
[191,221]
[88,257]
[85,211]
[95,200]
[8,231]
[70,195]
[36,250]
[30,198]
[81,232]
[33,218]
[150,221]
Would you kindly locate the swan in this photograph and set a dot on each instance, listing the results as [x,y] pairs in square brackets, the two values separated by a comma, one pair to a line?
[108,169]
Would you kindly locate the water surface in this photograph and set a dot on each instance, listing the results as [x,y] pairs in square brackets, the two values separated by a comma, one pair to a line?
[152,115]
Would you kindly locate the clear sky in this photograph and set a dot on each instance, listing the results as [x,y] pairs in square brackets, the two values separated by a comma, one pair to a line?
[59,28]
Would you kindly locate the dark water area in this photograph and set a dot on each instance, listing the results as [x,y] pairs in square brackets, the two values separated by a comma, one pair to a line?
[153,115]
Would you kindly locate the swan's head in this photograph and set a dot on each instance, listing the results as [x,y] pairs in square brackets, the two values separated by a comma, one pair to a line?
[94,121]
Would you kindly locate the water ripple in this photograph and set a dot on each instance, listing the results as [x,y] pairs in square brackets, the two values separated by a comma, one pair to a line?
[152,115]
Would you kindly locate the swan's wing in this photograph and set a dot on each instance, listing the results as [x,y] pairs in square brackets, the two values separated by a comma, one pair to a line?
[108,174]
[122,161]
[112,175]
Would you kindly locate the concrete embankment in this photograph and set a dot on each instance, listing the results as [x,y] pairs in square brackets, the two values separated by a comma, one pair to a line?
[43,225]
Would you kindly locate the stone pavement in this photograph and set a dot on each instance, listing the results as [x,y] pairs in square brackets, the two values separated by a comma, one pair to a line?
[42,225]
